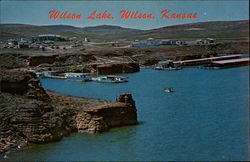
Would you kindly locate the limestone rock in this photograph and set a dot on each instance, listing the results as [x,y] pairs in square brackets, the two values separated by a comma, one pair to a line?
[28,113]
[104,117]
[119,67]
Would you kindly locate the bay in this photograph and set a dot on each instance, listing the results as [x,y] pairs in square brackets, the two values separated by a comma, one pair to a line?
[206,118]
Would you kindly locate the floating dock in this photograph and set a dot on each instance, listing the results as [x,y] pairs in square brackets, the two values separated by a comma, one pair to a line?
[78,80]
[196,62]
[56,77]
[230,63]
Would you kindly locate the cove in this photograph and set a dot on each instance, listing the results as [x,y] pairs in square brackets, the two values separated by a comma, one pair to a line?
[206,118]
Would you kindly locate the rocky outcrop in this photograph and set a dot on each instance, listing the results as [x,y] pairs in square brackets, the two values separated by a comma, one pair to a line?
[22,83]
[150,62]
[70,69]
[28,113]
[60,60]
[23,120]
[13,60]
[104,117]
[37,60]
[39,122]
[26,110]
[118,67]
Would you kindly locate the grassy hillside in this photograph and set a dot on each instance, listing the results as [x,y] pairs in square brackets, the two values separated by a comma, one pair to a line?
[103,32]
[8,31]
[216,29]
[224,30]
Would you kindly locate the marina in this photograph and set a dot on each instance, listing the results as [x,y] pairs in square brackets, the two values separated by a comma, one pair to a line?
[195,62]
[167,65]
[110,79]
[211,62]
[225,61]
[230,63]
[81,77]
[215,65]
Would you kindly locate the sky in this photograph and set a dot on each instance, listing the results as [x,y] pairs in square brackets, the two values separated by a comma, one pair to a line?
[37,12]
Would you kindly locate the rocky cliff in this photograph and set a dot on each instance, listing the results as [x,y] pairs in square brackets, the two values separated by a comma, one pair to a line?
[104,117]
[37,60]
[28,113]
[118,67]
[60,59]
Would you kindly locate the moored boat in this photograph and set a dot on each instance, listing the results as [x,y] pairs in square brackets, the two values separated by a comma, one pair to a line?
[110,79]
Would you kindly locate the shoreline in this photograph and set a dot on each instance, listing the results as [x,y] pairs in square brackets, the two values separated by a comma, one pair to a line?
[105,60]
[170,108]
[45,106]
[31,114]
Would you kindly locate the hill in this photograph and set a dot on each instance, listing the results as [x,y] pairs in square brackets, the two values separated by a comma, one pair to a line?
[64,28]
[8,31]
[214,29]
[100,30]
[224,30]
[109,29]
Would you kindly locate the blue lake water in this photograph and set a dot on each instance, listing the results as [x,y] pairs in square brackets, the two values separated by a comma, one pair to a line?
[206,118]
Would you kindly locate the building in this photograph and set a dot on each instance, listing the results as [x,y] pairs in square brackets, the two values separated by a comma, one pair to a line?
[169,42]
[149,42]
[152,42]
[205,41]
[23,45]
[173,42]
[86,39]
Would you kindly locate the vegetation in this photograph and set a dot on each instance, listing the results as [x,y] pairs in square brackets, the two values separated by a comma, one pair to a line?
[233,30]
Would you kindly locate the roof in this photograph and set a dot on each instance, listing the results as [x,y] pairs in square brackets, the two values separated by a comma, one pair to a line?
[210,58]
[79,73]
[115,76]
[49,35]
[231,61]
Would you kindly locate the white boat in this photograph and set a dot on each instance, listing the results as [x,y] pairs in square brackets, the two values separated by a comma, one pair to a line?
[39,75]
[167,65]
[111,79]
[167,68]
[169,90]
[158,68]
[78,76]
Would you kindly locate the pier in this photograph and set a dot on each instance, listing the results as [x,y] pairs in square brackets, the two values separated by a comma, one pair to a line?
[56,77]
[230,63]
[195,62]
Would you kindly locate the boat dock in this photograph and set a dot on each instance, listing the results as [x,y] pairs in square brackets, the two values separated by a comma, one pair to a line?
[68,75]
[81,77]
[230,63]
[56,77]
[110,79]
[78,80]
[196,62]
